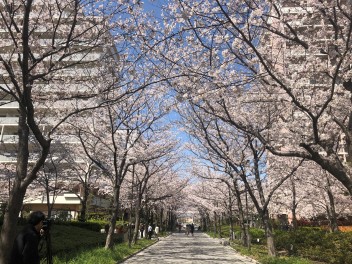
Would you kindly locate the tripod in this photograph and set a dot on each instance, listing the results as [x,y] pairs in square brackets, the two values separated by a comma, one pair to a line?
[47,237]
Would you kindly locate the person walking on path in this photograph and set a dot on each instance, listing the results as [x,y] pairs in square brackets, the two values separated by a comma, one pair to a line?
[157,232]
[141,229]
[192,228]
[150,231]
[187,229]
[25,248]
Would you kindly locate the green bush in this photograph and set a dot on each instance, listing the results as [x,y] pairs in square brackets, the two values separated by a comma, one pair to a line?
[310,243]
[225,231]
[294,241]
[99,216]
[316,244]
[91,225]
[257,233]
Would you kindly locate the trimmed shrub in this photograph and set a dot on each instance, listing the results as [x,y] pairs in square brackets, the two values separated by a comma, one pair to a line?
[101,216]
[91,225]
[257,233]
[316,244]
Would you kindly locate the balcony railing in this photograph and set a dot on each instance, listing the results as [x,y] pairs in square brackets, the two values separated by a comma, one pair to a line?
[7,104]
[9,139]
[8,120]
[7,159]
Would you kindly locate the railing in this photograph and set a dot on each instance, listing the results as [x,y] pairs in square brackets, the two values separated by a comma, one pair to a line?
[7,104]
[6,159]
[9,138]
[8,120]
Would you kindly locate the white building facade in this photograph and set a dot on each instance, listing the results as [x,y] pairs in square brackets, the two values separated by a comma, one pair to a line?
[67,70]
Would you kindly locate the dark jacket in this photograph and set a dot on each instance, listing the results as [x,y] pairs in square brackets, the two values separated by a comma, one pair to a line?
[25,247]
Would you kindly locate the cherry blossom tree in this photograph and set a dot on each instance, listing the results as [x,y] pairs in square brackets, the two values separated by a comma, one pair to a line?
[157,183]
[308,193]
[152,178]
[124,136]
[56,57]
[241,154]
[81,181]
[277,70]
[294,195]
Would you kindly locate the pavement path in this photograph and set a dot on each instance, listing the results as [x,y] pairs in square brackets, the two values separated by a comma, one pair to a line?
[179,248]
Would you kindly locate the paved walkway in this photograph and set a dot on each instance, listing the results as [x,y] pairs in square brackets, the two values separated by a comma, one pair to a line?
[179,248]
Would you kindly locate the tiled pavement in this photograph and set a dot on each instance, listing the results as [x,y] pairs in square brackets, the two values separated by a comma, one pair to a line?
[179,248]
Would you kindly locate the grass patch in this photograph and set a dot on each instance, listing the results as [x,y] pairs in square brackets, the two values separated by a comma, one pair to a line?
[260,253]
[284,260]
[256,251]
[72,244]
[70,238]
[101,255]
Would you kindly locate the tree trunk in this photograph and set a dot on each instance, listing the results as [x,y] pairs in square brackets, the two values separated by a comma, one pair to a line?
[21,182]
[8,230]
[232,228]
[109,238]
[173,223]
[269,234]
[294,217]
[151,217]
[246,242]
[161,218]
[47,193]
[294,205]
[215,224]
[231,216]
[83,211]
[169,220]
[138,218]
[219,227]
[136,227]
[204,224]
[333,219]
[82,215]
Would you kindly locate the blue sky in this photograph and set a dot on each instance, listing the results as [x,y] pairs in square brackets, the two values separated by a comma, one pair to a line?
[154,5]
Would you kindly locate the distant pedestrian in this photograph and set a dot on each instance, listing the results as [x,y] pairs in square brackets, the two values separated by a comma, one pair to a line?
[157,232]
[188,229]
[192,228]
[141,229]
[150,231]
[179,228]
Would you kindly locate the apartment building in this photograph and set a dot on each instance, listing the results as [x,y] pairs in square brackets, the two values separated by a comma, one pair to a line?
[307,55]
[69,67]
[303,53]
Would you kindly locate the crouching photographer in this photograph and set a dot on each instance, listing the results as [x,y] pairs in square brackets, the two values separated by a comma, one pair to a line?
[25,249]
